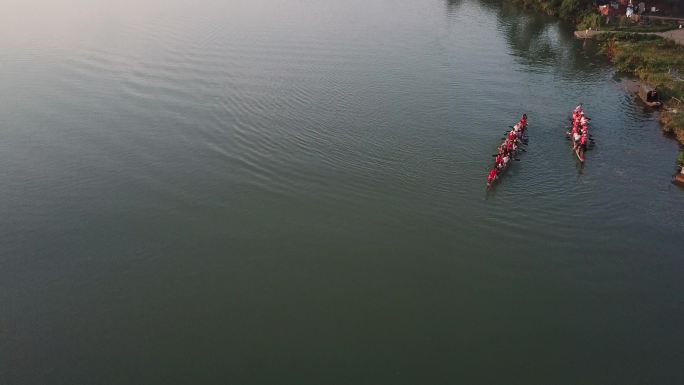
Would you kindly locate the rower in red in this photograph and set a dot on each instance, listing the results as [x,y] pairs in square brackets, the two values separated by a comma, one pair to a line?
[492,176]
[499,161]
[583,143]
[512,136]
[510,146]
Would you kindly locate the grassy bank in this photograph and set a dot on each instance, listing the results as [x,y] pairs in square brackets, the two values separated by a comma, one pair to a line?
[657,61]
[629,26]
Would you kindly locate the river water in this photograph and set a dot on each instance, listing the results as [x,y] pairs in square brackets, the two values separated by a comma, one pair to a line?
[293,192]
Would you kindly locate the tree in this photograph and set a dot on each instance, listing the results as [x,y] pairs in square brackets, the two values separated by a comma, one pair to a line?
[569,9]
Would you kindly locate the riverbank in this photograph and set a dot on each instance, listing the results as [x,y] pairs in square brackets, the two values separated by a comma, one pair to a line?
[656,61]
[676,35]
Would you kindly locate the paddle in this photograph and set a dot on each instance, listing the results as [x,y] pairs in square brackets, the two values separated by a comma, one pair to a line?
[506,134]
[516,159]
[519,138]
[521,142]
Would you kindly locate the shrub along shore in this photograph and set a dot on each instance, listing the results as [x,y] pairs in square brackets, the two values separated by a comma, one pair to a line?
[584,14]
[579,12]
[656,61]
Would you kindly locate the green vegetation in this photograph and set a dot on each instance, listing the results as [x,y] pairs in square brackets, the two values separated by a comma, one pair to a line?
[594,20]
[571,10]
[629,25]
[591,20]
[580,12]
[657,61]
[643,28]
[584,14]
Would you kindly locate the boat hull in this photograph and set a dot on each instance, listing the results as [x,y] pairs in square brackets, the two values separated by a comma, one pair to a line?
[501,171]
[678,179]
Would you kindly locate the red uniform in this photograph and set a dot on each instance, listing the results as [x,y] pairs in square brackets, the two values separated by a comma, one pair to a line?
[492,175]
[512,135]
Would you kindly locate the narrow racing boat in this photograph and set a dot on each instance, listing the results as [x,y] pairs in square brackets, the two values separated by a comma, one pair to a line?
[508,150]
[579,133]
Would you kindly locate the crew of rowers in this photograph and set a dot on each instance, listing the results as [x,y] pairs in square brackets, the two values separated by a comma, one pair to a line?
[580,131]
[507,148]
